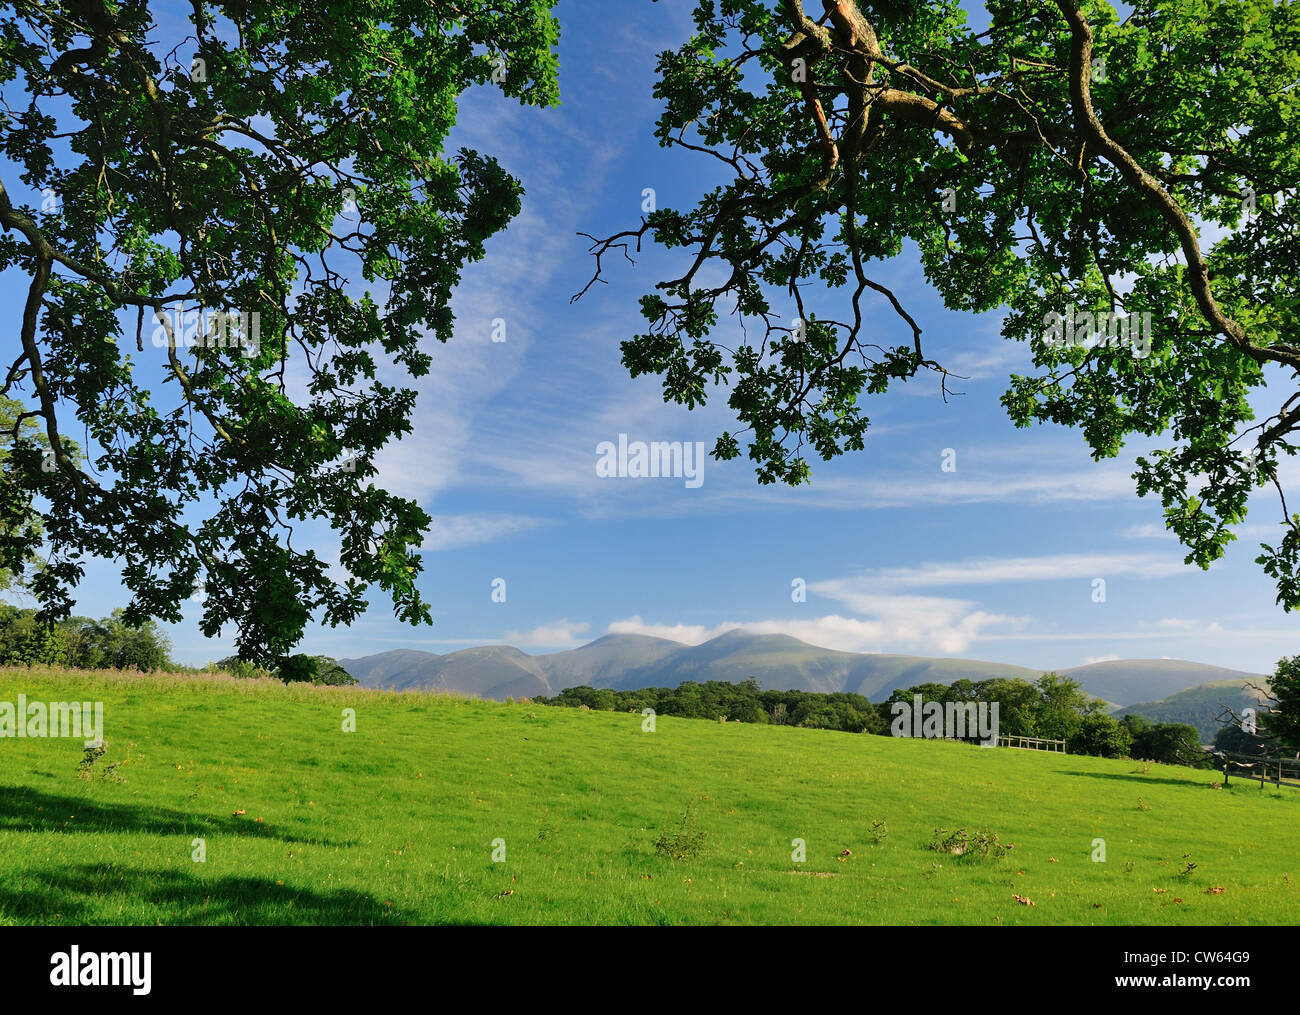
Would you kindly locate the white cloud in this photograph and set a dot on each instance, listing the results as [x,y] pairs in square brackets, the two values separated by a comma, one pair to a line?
[1089,660]
[450,532]
[919,624]
[1187,624]
[861,592]
[1025,485]
[1248,531]
[687,634]
[1148,531]
[560,634]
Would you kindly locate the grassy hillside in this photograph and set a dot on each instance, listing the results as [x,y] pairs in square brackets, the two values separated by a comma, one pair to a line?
[395,823]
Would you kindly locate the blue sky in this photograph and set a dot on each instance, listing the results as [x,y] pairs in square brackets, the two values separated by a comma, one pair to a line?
[995,560]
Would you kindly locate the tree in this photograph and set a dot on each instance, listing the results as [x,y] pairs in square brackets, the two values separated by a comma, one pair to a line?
[1102,736]
[1170,743]
[1280,712]
[1017,704]
[115,643]
[25,640]
[208,209]
[110,643]
[1235,740]
[1062,705]
[330,673]
[241,668]
[819,717]
[1275,726]
[21,531]
[305,669]
[1052,164]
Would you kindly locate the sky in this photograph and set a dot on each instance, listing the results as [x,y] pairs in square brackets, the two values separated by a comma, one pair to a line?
[995,558]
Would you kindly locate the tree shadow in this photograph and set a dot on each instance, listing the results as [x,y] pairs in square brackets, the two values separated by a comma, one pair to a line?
[1139,777]
[97,894]
[29,810]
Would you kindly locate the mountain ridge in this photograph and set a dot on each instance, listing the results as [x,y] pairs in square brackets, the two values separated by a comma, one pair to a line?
[777,661]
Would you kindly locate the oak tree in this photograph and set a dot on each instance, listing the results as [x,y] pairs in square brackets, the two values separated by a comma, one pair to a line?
[281,168]
[1119,184]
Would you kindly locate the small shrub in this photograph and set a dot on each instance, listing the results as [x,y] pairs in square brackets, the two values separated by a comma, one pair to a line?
[86,766]
[109,773]
[684,844]
[879,831]
[970,845]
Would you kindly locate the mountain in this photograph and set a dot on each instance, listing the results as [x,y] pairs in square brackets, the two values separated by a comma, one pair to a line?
[399,669]
[1127,681]
[492,671]
[502,671]
[782,662]
[629,661]
[614,653]
[1198,706]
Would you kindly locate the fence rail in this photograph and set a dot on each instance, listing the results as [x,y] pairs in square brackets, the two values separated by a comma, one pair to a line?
[1032,744]
[1278,771]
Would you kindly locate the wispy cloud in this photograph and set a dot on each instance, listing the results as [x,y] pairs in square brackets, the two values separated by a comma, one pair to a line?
[891,624]
[560,634]
[450,532]
[862,591]
[1250,530]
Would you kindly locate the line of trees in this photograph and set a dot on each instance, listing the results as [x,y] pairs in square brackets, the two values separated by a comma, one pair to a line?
[1053,707]
[745,702]
[82,643]
[112,644]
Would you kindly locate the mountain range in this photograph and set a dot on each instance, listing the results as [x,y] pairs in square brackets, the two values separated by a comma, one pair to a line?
[777,661]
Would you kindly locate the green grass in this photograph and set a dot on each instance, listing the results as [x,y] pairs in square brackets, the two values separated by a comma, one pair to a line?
[395,823]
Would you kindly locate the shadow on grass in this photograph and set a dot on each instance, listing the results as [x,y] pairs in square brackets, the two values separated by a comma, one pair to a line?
[1139,777]
[23,809]
[103,894]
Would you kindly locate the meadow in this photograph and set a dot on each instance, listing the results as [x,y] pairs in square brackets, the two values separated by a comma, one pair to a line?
[595,821]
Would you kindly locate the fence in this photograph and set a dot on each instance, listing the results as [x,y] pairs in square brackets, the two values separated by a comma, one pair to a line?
[1033,744]
[1278,771]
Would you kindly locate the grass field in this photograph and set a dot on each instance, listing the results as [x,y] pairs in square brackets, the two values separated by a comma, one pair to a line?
[394,823]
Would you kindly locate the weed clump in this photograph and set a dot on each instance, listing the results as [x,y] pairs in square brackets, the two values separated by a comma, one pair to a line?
[970,845]
[108,773]
[686,843]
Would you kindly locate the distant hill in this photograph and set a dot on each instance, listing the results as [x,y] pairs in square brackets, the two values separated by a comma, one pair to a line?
[781,662]
[614,653]
[776,661]
[1126,681]
[492,671]
[1197,706]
